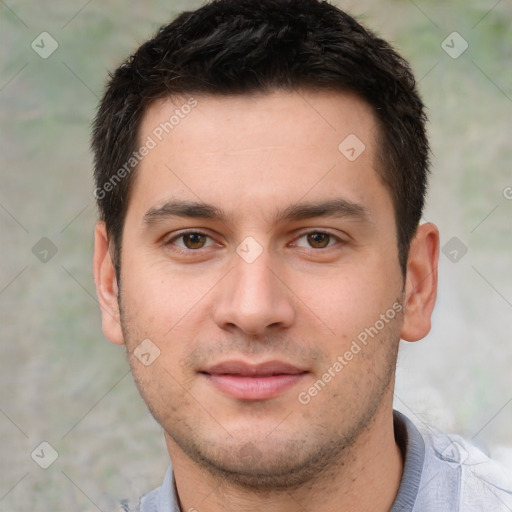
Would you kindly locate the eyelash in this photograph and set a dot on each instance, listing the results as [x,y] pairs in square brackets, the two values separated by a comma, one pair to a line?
[171,241]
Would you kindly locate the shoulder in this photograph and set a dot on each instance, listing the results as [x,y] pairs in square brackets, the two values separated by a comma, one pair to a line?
[147,503]
[458,471]
[161,499]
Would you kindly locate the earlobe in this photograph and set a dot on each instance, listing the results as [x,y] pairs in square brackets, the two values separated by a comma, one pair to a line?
[421,283]
[106,286]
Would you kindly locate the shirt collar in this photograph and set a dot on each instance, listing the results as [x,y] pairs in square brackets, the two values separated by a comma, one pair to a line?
[412,445]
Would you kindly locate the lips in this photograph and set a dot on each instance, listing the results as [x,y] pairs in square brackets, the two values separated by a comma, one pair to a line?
[257,370]
[244,381]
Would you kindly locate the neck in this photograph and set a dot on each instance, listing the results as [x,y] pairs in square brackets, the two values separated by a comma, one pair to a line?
[366,477]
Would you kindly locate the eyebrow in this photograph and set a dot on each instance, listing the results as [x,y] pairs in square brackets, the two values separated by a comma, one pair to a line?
[331,208]
[176,208]
[338,208]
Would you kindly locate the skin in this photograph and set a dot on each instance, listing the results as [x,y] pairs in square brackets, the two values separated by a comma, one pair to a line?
[254,157]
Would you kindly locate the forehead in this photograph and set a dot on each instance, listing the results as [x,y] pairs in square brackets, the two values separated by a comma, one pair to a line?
[261,150]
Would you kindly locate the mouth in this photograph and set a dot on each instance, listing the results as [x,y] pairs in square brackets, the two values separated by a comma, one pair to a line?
[244,381]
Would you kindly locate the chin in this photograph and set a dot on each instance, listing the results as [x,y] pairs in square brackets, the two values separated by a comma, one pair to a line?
[265,464]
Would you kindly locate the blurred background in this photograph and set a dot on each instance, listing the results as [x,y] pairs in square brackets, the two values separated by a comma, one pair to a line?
[64,384]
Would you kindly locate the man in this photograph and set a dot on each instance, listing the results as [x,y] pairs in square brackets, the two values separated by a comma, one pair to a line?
[260,172]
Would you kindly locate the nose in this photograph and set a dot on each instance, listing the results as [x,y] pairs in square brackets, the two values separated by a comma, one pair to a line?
[254,298]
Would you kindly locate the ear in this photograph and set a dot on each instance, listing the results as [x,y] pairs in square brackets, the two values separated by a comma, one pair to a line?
[106,286]
[421,282]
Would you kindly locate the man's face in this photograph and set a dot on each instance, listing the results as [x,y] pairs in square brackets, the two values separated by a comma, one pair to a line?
[255,252]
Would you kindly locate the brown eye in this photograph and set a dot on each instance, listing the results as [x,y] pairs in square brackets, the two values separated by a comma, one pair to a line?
[318,240]
[194,240]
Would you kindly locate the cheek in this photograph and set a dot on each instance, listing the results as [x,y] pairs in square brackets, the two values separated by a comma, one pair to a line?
[172,310]
[162,387]
[160,311]
[352,298]
[158,299]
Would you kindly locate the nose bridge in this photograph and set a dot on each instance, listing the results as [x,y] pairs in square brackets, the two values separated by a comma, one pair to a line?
[252,298]
[254,280]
